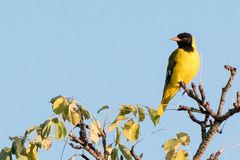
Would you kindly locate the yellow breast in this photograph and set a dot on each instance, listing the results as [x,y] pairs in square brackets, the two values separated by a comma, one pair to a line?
[187,66]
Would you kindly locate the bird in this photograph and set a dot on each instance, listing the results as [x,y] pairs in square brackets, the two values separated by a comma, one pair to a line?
[183,66]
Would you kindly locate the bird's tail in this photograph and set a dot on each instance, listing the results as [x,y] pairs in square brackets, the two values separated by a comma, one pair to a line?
[161,108]
[169,93]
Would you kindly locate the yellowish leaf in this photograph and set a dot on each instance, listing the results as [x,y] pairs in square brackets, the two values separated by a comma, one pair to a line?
[131,130]
[116,122]
[118,137]
[73,115]
[46,143]
[183,138]
[170,155]
[171,144]
[154,116]
[181,155]
[59,104]
[141,114]
[126,109]
[32,151]
[22,158]
[109,150]
[94,131]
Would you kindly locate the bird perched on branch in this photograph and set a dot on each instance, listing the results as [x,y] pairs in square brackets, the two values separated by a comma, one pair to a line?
[183,65]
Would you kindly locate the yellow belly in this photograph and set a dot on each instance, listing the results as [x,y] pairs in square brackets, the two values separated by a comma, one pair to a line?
[186,68]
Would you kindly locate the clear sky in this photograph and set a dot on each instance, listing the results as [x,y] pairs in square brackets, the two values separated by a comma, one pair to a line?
[113,52]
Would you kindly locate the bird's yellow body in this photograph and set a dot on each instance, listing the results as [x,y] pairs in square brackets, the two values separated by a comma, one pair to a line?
[183,66]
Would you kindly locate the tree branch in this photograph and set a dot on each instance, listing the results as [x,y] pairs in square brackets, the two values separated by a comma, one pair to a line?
[205,109]
[134,155]
[225,89]
[214,156]
[87,146]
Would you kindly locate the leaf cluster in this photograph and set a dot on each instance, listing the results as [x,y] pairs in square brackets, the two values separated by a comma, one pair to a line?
[172,147]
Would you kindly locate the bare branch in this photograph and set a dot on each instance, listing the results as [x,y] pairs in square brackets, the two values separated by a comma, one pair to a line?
[185,108]
[87,146]
[75,146]
[225,89]
[206,141]
[84,157]
[202,92]
[135,156]
[205,109]
[104,143]
[215,156]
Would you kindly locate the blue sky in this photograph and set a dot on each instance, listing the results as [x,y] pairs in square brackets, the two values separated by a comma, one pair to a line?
[112,52]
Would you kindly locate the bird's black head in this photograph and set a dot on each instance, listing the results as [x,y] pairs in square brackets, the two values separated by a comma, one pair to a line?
[184,41]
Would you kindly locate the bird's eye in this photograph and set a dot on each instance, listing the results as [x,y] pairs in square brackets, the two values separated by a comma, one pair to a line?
[184,38]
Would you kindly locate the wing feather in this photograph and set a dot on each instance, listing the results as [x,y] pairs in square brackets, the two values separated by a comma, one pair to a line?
[171,64]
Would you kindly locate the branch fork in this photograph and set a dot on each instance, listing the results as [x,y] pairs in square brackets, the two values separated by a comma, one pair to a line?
[212,120]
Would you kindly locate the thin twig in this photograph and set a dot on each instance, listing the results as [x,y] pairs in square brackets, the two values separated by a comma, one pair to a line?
[214,156]
[87,146]
[134,155]
[226,88]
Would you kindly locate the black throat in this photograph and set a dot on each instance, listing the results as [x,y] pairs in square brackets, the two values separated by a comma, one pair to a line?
[187,48]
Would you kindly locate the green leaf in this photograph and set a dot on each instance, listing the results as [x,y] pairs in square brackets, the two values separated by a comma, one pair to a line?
[6,154]
[85,113]
[184,138]
[154,116]
[59,104]
[63,130]
[125,151]
[170,155]
[131,130]
[39,130]
[114,154]
[134,110]
[118,137]
[126,109]
[73,115]
[181,154]
[17,146]
[171,144]
[55,120]
[58,131]
[46,128]
[55,98]
[116,122]
[141,114]
[29,131]
[103,108]
[65,113]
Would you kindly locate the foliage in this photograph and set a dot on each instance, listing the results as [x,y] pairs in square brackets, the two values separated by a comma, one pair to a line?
[92,133]
[172,147]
